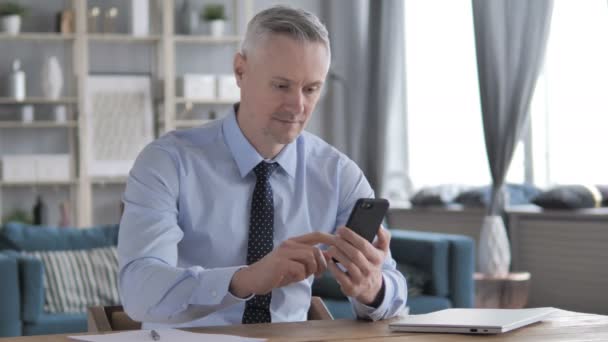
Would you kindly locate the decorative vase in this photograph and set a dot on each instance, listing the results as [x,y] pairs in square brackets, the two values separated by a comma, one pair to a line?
[52,78]
[189,18]
[216,28]
[11,24]
[140,18]
[16,82]
[494,253]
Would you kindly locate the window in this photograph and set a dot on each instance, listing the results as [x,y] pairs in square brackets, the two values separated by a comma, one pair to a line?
[569,110]
[445,129]
[570,106]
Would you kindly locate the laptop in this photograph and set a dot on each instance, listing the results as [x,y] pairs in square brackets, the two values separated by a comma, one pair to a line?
[471,321]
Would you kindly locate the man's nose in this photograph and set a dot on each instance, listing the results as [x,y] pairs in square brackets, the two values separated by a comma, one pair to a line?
[295,101]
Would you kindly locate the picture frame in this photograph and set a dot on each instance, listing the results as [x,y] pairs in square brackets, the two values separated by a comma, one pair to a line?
[119,122]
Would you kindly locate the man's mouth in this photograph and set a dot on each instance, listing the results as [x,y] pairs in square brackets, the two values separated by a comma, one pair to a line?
[287,121]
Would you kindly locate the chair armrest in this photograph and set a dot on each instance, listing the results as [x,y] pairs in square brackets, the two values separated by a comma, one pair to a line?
[426,251]
[462,268]
[449,258]
[10,308]
[32,288]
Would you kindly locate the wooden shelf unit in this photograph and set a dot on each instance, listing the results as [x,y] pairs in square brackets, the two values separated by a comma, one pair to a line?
[38,101]
[37,36]
[167,42]
[38,124]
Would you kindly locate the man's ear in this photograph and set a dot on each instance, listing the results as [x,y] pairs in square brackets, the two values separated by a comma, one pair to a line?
[240,64]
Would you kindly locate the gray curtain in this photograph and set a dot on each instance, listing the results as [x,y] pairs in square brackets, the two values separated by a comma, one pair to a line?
[366,85]
[511,37]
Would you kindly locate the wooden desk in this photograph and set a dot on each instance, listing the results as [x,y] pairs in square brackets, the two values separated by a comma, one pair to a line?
[560,326]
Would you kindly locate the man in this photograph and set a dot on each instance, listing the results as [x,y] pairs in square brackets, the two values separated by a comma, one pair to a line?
[222,223]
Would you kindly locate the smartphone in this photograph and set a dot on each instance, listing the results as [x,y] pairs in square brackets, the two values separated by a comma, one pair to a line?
[366,217]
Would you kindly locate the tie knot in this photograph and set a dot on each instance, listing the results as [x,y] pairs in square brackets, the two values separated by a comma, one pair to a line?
[263,170]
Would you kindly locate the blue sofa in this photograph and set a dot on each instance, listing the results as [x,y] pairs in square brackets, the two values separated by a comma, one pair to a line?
[448,262]
[21,285]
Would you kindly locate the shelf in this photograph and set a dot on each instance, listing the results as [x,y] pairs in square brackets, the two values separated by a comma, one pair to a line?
[38,183]
[207,39]
[182,100]
[38,100]
[37,124]
[190,123]
[34,36]
[109,180]
[122,38]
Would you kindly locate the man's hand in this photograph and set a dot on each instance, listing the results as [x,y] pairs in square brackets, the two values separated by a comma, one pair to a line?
[294,260]
[362,261]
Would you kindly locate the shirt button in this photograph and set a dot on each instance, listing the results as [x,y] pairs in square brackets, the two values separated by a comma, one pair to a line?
[214,294]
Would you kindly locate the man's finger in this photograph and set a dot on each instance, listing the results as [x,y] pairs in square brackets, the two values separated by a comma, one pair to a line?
[384,239]
[352,269]
[321,262]
[342,278]
[314,238]
[304,255]
[358,242]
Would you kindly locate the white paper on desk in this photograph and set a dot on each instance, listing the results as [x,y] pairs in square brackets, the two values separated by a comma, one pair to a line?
[165,335]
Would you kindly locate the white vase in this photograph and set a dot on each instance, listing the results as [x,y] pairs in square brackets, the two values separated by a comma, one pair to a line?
[52,78]
[11,24]
[216,28]
[494,257]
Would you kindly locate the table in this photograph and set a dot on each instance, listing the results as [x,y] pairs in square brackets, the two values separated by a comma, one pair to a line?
[559,326]
[509,292]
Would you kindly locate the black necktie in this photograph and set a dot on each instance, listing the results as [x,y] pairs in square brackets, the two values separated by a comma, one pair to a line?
[261,229]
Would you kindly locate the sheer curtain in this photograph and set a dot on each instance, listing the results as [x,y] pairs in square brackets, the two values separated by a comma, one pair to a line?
[510,38]
[365,95]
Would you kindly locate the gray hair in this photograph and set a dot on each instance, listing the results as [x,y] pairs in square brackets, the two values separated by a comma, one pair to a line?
[295,23]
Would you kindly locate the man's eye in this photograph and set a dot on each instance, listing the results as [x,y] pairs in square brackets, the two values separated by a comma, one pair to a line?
[280,86]
[311,90]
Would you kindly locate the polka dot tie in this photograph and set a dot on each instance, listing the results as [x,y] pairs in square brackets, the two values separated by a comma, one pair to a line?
[261,229]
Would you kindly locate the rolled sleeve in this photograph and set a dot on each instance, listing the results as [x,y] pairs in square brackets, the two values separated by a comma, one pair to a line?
[391,305]
[214,287]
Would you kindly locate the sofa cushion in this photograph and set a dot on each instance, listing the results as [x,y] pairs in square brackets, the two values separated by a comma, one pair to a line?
[76,279]
[416,279]
[25,237]
[571,197]
[517,194]
[57,324]
[440,195]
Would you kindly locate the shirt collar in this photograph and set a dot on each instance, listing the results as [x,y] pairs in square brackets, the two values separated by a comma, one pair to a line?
[245,155]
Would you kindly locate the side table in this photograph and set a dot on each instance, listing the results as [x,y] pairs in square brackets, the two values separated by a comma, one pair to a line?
[509,292]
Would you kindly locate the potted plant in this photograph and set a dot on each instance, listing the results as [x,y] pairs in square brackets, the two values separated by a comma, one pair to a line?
[10,17]
[215,16]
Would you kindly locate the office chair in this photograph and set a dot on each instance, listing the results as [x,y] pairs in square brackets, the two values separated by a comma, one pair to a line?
[114,318]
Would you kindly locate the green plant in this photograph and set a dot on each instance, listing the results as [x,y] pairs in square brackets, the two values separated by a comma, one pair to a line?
[213,12]
[18,215]
[11,8]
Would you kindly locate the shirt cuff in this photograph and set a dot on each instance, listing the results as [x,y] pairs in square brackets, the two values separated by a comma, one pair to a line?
[213,287]
[369,312]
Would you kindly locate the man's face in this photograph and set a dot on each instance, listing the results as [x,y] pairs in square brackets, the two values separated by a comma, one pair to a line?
[280,83]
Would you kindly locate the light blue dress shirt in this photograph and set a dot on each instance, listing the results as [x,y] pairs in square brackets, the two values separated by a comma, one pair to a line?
[184,229]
